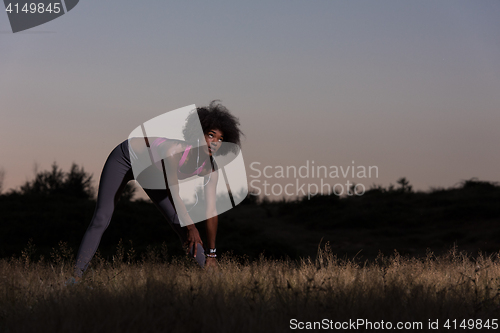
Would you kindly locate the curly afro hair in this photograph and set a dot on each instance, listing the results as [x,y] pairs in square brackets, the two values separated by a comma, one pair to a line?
[215,116]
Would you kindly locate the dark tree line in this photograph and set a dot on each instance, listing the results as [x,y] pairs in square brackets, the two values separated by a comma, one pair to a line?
[57,206]
[75,183]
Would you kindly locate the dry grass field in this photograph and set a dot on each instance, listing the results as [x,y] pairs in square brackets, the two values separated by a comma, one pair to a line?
[151,295]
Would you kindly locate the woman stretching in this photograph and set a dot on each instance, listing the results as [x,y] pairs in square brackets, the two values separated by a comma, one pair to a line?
[188,159]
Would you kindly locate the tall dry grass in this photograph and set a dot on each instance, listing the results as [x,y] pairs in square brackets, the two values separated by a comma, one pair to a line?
[150,295]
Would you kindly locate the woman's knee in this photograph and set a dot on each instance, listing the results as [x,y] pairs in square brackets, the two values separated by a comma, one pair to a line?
[101,220]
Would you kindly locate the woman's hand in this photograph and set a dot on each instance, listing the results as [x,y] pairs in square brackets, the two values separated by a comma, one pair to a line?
[193,239]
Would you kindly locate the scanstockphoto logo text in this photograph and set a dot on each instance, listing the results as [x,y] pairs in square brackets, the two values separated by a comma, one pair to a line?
[25,15]
[309,179]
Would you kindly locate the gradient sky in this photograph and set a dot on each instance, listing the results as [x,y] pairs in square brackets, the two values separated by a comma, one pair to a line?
[412,87]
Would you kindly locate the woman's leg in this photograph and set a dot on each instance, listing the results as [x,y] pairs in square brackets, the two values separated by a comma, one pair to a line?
[162,201]
[116,173]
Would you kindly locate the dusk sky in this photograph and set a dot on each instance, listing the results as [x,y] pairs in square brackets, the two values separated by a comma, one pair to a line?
[412,87]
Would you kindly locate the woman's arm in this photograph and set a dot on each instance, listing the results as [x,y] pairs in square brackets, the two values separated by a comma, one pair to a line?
[212,218]
[173,156]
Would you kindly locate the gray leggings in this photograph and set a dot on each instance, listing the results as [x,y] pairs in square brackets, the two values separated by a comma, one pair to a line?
[116,173]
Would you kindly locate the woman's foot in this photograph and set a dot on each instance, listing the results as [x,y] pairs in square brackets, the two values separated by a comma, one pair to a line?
[72,281]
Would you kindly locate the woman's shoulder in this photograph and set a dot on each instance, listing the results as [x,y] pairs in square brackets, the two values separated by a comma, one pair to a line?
[173,146]
[155,143]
